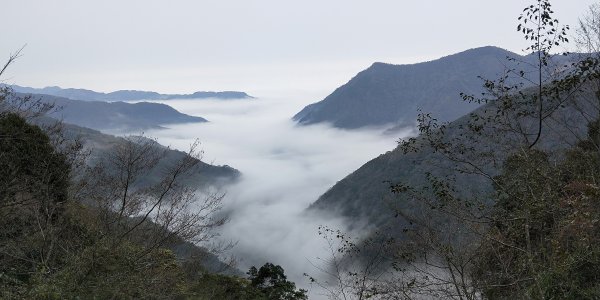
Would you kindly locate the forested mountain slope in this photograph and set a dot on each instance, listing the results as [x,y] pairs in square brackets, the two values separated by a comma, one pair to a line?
[100,145]
[386,94]
[113,116]
[365,194]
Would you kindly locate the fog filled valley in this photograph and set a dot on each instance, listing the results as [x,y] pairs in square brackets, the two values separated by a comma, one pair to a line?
[269,150]
[284,169]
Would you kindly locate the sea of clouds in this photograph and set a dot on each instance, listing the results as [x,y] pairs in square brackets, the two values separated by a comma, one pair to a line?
[285,167]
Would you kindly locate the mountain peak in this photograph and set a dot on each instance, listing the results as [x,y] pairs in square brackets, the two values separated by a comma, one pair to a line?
[387,94]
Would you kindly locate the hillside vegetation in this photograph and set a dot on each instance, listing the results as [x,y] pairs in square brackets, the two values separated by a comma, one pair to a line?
[99,217]
[501,203]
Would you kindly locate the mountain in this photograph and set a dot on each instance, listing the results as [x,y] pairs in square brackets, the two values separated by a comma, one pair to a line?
[101,145]
[365,196]
[114,116]
[125,95]
[386,94]
[205,177]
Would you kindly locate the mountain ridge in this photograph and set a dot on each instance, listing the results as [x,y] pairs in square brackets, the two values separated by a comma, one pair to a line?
[364,195]
[114,116]
[101,144]
[126,95]
[392,95]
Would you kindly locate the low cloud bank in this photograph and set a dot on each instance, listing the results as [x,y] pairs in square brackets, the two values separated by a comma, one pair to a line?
[285,168]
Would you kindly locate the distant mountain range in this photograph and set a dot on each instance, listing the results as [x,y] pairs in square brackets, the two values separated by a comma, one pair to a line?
[125,95]
[386,94]
[114,116]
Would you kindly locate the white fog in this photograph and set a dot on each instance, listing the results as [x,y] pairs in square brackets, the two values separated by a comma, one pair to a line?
[284,168]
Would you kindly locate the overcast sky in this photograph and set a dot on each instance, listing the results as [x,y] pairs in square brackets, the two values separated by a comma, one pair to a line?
[256,46]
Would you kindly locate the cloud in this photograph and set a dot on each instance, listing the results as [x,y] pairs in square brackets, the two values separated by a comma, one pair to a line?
[285,168]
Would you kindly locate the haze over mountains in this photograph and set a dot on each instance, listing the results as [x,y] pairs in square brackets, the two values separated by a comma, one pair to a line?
[115,116]
[381,95]
[82,119]
[108,112]
[386,94]
[300,150]
[286,167]
[125,95]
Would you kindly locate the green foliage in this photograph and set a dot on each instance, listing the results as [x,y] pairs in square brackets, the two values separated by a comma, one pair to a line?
[30,168]
[109,271]
[545,238]
[578,277]
[33,195]
[52,247]
[215,286]
[271,281]
[539,26]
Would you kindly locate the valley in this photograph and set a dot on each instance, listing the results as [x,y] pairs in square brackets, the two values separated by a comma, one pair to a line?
[284,169]
[269,150]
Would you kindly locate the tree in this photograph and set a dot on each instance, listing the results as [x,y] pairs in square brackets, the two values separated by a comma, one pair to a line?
[587,40]
[74,225]
[539,26]
[544,230]
[510,226]
[217,286]
[587,36]
[140,191]
[34,182]
[271,281]
[26,106]
[483,220]
[355,268]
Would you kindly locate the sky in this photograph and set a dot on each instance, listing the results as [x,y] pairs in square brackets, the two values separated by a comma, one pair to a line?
[263,47]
